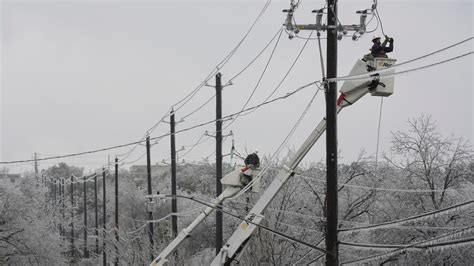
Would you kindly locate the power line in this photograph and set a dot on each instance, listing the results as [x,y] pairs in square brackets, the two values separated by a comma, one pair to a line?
[259,79]
[388,189]
[415,218]
[188,97]
[400,250]
[254,59]
[355,77]
[349,77]
[272,231]
[227,117]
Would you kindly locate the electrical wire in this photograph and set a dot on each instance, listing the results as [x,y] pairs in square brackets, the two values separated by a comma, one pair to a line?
[287,72]
[387,189]
[189,96]
[254,59]
[199,107]
[354,77]
[272,231]
[287,138]
[399,250]
[380,20]
[227,117]
[381,73]
[259,80]
[415,218]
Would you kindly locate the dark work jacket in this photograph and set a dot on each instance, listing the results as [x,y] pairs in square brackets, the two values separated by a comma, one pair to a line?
[378,48]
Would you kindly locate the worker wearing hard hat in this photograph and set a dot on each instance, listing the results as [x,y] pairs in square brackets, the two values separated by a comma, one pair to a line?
[378,49]
[252,163]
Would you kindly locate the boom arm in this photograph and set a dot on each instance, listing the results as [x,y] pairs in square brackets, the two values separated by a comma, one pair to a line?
[161,259]
[350,93]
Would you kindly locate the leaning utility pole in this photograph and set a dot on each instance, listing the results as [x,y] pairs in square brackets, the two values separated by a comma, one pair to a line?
[72,216]
[174,207]
[86,252]
[332,257]
[96,217]
[104,209]
[218,159]
[116,212]
[150,213]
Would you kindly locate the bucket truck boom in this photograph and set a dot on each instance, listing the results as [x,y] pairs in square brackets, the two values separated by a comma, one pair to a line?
[351,92]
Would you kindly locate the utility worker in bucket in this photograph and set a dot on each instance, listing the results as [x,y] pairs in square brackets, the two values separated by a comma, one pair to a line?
[252,162]
[379,49]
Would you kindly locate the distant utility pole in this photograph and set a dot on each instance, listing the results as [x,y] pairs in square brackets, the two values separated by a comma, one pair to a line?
[36,167]
[218,159]
[72,216]
[60,208]
[86,252]
[51,191]
[150,213]
[63,200]
[104,209]
[96,217]
[54,192]
[174,206]
[116,212]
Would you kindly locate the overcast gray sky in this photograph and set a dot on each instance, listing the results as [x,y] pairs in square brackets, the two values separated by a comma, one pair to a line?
[82,75]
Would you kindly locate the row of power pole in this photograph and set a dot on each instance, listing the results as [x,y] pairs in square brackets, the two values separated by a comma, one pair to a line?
[60,188]
[219,218]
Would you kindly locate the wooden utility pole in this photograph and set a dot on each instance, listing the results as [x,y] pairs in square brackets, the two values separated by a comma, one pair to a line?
[96,217]
[54,192]
[36,167]
[60,208]
[72,216]
[63,200]
[104,210]
[332,258]
[174,206]
[116,212]
[86,252]
[150,213]
[218,159]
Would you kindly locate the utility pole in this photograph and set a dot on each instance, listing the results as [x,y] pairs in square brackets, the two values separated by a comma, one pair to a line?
[63,200]
[150,213]
[72,216]
[116,212]
[54,192]
[218,159]
[332,258]
[96,217]
[104,253]
[335,32]
[86,252]
[174,206]
[60,210]
[36,167]
[51,191]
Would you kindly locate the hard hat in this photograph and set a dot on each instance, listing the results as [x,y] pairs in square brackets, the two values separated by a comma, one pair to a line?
[375,38]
